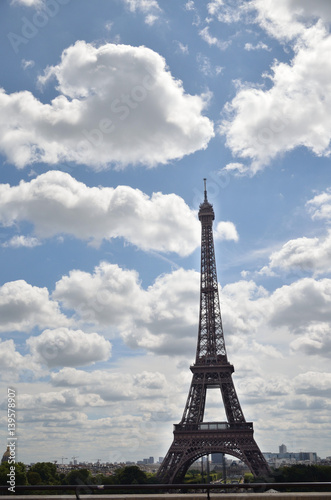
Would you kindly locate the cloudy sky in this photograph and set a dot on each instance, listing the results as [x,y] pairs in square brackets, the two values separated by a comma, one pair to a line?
[111,114]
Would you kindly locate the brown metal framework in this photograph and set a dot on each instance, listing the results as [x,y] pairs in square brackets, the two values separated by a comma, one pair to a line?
[194,438]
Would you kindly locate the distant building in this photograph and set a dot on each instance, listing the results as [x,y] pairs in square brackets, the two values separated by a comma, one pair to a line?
[285,457]
[146,461]
[217,458]
[5,456]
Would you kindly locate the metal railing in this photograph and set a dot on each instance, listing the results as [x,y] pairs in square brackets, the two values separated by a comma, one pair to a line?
[214,426]
[165,488]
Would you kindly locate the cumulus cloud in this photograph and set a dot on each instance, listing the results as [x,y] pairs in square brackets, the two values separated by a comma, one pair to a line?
[28,3]
[159,319]
[313,383]
[62,400]
[259,46]
[149,7]
[257,389]
[106,297]
[316,340]
[56,203]
[64,347]
[213,40]
[22,241]
[237,169]
[226,230]
[227,12]
[306,254]
[320,206]
[288,19]
[302,120]
[242,308]
[23,306]
[247,307]
[12,363]
[173,315]
[111,386]
[117,105]
[300,304]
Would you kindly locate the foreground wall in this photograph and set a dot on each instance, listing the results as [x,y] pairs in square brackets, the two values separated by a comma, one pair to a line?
[184,496]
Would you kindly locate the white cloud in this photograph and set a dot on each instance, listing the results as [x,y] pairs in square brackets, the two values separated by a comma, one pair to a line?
[12,363]
[112,386]
[320,206]
[189,5]
[242,309]
[27,64]
[28,3]
[159,319]
[212,40]
[149,7]
[258,128]
[56,203]
[228,12]
[117,105]
[226,230]
[313,383]
[248,308]
[150,19]
[62,400]
[107,297]
[301,304]
[258,46]
[315,341]
[206,67]
[182,48]
[238,169]
[306,254]
[287,19]
[173,301]
[22,241]
[64,347]
[22,307]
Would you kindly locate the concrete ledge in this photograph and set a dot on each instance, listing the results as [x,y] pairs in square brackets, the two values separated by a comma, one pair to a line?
[181,496]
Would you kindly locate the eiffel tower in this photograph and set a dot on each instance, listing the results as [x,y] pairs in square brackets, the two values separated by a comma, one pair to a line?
[194,438]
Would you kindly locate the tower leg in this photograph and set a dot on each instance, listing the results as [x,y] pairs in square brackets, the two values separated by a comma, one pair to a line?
[187,447]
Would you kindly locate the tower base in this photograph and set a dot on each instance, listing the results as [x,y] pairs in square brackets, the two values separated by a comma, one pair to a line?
[194,441]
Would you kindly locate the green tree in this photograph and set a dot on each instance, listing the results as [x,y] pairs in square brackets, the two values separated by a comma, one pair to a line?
[20,473]
[303,473]
[79,476]
[47,472]
[34,478]
[130,475]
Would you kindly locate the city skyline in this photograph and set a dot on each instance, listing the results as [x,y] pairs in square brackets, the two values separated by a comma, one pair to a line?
[111,114]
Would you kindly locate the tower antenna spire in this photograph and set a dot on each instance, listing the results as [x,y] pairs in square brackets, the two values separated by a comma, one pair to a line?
[205,182]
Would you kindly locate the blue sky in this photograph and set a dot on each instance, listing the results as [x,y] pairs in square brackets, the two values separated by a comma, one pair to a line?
[112,113]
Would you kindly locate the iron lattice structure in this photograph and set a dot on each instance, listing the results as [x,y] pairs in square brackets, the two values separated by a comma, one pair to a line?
[194,438]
